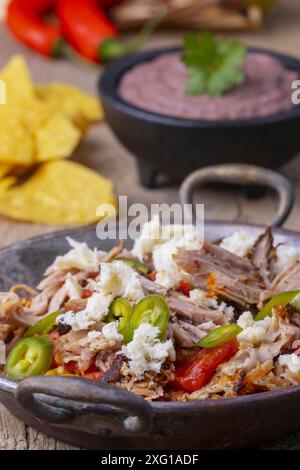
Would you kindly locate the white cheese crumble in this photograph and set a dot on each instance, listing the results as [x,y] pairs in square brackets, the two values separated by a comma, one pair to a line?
[116,279]
[291,361]
[199,296]
[119,279]
[239,243]
[168,273]
[153,234]
[2,352]
[73,288]
[110,332]
[79,257]
[146,352]
[96,310]
[163,242]
[286,256]
[94,334]
[254,332]
[150,236]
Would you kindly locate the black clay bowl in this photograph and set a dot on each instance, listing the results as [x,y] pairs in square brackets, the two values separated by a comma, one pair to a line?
[175,146]
[99,416]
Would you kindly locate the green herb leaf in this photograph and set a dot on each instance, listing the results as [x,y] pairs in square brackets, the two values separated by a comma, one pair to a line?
[196,83]
[214,65]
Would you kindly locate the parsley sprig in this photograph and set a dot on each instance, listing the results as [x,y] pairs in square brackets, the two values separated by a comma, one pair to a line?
[214,65]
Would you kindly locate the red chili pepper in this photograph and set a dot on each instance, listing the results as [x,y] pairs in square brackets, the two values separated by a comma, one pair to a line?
[184,287]
[85,26]
[25,19]
[109,3]
[196,371]
[90,32]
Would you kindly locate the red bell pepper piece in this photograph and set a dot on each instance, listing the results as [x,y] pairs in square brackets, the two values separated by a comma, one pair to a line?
[72,367]
[184,287]
[196,371]
[152,276]
[92,373]
[86,293]
[25,20]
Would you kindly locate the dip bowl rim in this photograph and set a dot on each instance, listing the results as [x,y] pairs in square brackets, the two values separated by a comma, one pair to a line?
[112,74]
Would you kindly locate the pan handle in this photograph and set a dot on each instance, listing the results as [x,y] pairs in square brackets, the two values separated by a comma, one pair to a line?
[242,174]
[74,397]
[8,385]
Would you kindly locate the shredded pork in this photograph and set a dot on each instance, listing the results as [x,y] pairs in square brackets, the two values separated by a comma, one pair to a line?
[231,276]
[226,285]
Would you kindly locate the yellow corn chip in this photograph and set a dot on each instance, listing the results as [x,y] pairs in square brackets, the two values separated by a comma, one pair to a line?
[56,138]
[6,184]
[17,80]
[20,115]
[5,168]
[80,107]
[39,125]
[59,192]
[16,143]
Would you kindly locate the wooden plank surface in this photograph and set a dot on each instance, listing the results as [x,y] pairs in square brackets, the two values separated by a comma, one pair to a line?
[102,152]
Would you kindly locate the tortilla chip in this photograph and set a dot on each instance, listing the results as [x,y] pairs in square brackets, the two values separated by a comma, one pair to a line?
[81,108]
[16,143]
[5,169]
[20,115]
[59,192]
[6,184]
[17,80]
[56,138]
[43,123]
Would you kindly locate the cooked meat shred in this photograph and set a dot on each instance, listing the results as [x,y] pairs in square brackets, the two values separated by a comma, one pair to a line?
[236,278]
[114,373]
[289,279]
[263,255]
[185,308]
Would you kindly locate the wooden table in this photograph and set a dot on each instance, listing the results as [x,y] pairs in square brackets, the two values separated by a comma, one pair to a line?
[102,152]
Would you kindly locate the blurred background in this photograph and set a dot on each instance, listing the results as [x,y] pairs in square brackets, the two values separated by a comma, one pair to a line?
[262,23]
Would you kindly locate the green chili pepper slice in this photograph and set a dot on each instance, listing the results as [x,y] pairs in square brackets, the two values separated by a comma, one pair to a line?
[281,299]
[135,264]
[219,336]
[120,310]
[43,326]
[154,310]
[30,356]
